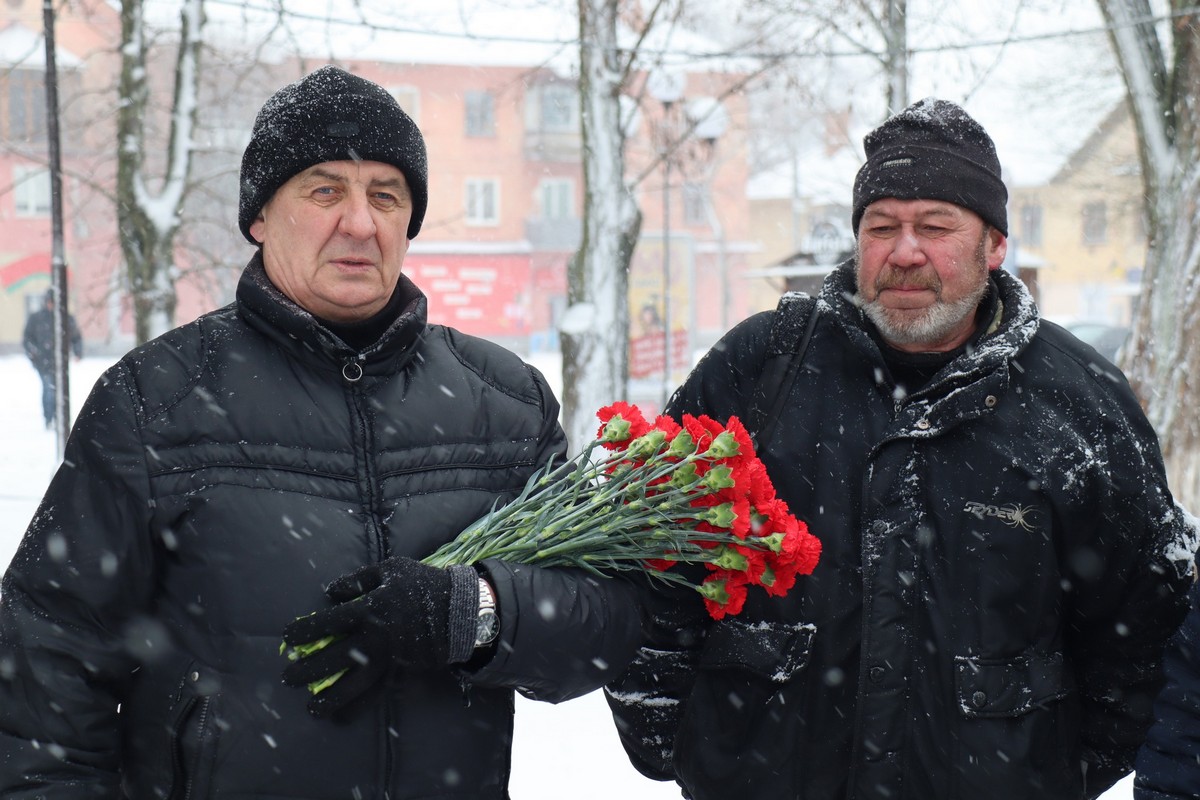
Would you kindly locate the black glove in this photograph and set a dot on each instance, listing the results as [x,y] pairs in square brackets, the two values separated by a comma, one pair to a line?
[398,612]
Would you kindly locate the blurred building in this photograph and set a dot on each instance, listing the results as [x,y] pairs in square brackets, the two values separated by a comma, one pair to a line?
[506,187]
[85,66]
[1086,227]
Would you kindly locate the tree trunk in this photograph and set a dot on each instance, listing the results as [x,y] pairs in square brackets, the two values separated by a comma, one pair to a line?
[147,223]
[1161,360]
[595,329]
[895,60]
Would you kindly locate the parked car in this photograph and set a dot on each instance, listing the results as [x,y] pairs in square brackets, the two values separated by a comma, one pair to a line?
[1107,339]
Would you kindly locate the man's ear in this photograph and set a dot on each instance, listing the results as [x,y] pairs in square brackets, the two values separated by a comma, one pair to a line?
[997,248]
[256,228]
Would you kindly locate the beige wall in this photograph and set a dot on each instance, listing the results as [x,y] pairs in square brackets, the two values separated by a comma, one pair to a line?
[1082,278]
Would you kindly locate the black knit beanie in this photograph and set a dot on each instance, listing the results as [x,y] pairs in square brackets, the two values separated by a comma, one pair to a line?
[933,150]
[329,115]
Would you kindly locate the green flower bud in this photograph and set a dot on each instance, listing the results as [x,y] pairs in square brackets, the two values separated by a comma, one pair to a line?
[774,541]
[719,478]
[684,476]
[715,591]
[724,446]
[682,446]
[721,516]
[730,559]
[647,445]
[617,430]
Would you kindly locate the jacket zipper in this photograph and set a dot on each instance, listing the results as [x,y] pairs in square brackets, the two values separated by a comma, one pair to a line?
[201,726]
[352,372]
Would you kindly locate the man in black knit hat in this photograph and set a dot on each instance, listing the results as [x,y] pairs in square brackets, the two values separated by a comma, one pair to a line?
[221,594]
[1002,561]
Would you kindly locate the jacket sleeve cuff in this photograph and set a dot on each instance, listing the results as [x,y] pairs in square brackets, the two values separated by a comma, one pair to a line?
[464,608]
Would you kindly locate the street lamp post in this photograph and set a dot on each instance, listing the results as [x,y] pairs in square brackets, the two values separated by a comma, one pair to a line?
[667,88]
[58,262]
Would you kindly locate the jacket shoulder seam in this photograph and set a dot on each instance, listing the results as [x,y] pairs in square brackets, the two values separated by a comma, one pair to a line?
[534,399]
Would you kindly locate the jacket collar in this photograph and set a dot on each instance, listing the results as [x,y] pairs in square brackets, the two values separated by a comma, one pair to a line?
[272,313]
[966,387]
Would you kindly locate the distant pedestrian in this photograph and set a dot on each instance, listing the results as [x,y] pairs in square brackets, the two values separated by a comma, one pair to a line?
[38,341]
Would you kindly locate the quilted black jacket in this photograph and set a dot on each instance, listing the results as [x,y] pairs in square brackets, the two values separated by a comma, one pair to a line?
[216,481]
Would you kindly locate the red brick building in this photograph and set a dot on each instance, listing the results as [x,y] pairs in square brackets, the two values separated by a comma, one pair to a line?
[505,205]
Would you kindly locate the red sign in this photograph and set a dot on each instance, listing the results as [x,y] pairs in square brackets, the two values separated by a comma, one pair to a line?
[484,296]
[646,353]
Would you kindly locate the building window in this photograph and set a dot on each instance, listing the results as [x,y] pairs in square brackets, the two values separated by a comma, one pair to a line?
[558,198]
[481,116]
[1095,223]
[559,104]
[695,204]
[409,98]
[25,100]
[1031,225]
[31,191]
[483,201]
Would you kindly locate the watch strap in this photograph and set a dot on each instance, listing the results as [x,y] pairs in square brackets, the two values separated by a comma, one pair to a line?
[487,607]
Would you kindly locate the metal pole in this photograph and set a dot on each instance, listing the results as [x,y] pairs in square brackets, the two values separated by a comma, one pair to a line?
[666,282]
[58,264]
[666,271]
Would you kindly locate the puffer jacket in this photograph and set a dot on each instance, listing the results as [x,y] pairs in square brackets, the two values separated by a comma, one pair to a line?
[216,481]
[1002,563]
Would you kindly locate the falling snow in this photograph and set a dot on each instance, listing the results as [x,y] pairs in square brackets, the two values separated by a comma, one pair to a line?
[571,745]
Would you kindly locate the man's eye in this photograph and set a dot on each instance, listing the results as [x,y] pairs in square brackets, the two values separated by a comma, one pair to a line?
[385,199]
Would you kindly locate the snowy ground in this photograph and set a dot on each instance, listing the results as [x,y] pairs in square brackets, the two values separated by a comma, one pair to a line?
[568,749]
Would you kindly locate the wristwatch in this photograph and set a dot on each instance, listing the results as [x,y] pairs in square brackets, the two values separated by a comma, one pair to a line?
[487,624]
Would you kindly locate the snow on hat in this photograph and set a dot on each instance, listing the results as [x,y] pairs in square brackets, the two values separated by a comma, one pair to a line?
[329,115]
[933,150]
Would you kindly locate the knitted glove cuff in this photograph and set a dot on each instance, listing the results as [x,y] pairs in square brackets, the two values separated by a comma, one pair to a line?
[463,612]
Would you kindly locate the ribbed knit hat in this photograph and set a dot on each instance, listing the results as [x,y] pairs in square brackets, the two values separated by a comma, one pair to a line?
[329,115]
[933,150]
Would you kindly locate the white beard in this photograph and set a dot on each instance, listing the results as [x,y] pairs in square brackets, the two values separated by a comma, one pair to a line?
[930,325]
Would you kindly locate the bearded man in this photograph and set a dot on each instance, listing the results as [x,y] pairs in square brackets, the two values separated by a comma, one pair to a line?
[1002,561]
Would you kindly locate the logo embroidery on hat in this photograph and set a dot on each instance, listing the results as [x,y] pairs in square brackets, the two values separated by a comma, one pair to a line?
[896,162]
[343,130]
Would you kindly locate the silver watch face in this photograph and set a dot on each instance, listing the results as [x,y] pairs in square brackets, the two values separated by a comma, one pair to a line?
[487,626]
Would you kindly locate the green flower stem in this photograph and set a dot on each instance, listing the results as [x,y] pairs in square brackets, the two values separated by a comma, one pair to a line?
[329,680]
[629,508]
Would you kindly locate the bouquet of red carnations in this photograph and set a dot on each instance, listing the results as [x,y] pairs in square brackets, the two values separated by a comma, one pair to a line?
[646,496]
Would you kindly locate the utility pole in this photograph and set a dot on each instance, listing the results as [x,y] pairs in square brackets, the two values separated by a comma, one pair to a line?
[58,263]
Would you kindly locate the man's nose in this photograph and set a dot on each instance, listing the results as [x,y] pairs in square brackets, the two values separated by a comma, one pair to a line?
[907,250]
[357,221]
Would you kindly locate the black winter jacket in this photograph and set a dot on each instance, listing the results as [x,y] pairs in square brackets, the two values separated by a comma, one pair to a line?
[216,481]
[997,580]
